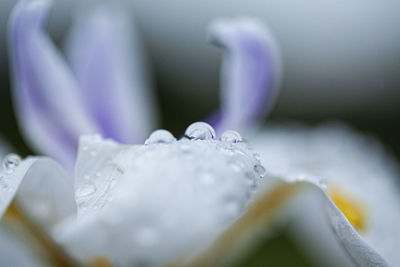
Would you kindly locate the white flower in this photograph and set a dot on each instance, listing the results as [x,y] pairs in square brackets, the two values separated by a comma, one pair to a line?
[142,204]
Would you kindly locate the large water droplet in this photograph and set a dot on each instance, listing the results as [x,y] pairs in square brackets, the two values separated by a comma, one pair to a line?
[85,190]
[231,137]
[260,170]
[160,137]
[11,161]
[200,131]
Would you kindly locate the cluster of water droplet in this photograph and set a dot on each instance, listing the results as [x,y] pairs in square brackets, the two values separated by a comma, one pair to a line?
[194,185]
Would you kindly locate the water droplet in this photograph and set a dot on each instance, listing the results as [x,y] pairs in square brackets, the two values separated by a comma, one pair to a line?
[98,174]
[11,161]
[85,190]
[160,137]
[260,170]
[231,137]
[146,237]
[200,131]
[85,148]
[93,153]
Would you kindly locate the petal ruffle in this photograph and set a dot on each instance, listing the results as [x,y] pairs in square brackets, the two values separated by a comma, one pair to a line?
[46,95]
[251,72]
[108,60]
[41,187]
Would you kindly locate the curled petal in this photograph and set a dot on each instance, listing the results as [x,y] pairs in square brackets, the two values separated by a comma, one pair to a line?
[41,187]
[352,242]
[250,73]
[107,58]
[46,95]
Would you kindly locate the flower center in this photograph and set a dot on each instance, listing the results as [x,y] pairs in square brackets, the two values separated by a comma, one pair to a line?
[352,208]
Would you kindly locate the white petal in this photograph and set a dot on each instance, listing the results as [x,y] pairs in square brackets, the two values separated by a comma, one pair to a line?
[169,198]
[41,187]
[13,252]
[339,156]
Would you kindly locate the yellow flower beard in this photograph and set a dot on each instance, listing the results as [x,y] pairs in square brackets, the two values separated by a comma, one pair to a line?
[352,208]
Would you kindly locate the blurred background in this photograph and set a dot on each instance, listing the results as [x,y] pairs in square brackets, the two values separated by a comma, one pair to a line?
[341,61]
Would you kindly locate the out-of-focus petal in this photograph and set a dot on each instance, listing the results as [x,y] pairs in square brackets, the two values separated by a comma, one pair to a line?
[46,95]
[251,72]
[108,59]
[14,253]
[41,187]
[338,157]
[35,196]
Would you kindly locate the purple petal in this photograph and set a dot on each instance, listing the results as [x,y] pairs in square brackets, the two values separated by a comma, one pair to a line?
[46,96]
[250,72]
[107,58]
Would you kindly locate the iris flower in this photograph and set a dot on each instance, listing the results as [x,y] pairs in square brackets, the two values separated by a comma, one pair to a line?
[102,88]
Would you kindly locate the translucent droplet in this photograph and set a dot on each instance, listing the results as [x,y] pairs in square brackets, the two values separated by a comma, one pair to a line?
[260,170]
[85,190]
[160,137]
[200,131]
[231,137]
[11,161]
[93,153]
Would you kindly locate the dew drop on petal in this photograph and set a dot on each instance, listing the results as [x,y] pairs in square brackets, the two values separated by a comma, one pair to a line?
[260,170]
[11,161]
[160,137]
[200,131]
[231,137]
[85,190]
